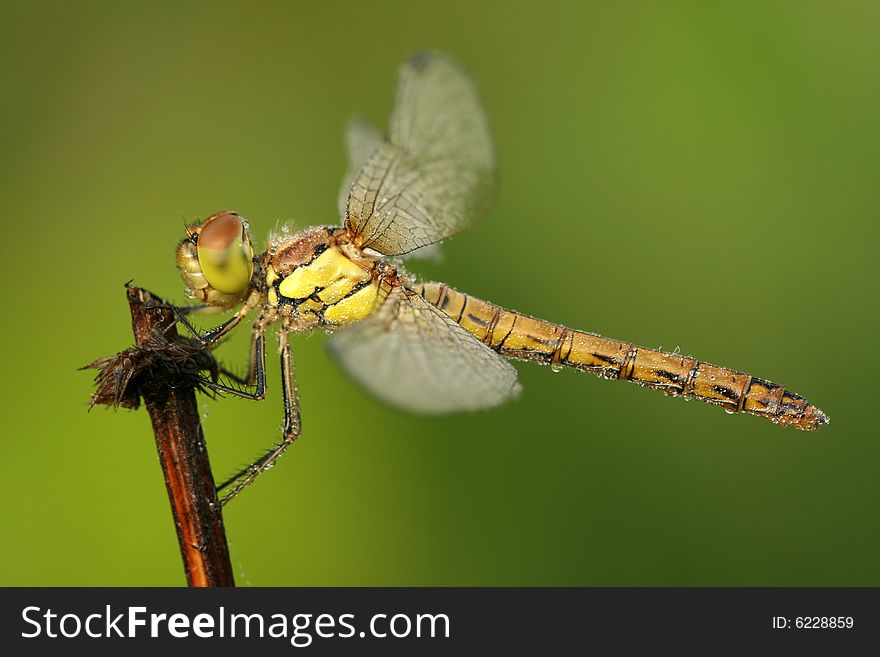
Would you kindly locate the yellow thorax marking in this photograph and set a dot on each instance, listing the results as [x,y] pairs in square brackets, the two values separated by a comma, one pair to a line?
[310,306]
[271,275]
[332,272]
[357,306]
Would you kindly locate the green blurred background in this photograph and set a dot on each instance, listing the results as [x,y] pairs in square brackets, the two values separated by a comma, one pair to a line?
[672,174]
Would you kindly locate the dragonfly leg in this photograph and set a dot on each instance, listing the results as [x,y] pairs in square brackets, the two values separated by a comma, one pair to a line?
[211,337]
[214,336]
[290,431]
[233,376]
[256,366]
[256,374]
[198,309]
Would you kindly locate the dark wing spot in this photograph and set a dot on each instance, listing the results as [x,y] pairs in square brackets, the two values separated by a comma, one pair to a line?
[420,60]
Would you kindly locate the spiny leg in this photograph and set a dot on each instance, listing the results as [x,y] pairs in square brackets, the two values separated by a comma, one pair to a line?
[256,377]
[290,431]
[256,374]
[256,369]
[212,337]
[233,376]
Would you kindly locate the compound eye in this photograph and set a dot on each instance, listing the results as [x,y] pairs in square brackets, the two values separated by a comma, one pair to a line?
[225,252]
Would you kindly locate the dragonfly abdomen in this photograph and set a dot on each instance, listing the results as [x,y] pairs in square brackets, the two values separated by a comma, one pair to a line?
[515,335]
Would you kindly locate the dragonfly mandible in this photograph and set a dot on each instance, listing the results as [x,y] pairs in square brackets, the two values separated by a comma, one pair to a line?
[423,347]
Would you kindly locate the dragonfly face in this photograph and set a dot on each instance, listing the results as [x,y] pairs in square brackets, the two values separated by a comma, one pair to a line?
[216,260]
[426,348]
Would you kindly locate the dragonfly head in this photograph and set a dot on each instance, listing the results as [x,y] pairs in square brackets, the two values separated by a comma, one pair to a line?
[216,260]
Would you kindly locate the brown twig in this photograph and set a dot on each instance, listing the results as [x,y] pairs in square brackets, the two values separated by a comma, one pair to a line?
[165,368]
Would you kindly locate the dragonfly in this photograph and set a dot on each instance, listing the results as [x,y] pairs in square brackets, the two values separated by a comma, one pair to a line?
[424,347]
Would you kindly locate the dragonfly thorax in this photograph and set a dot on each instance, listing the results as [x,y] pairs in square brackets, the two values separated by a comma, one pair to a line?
[320,278]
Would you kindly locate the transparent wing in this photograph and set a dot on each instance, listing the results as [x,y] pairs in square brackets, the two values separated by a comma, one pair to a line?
[429,253]
[435,172]
[361,139]
[413,356]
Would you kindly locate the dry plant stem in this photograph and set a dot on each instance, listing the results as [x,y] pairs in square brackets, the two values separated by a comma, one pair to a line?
[184,458]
